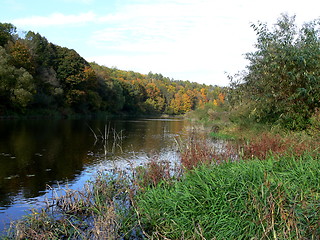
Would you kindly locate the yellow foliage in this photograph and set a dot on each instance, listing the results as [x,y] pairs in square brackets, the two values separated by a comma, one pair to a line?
[221,98]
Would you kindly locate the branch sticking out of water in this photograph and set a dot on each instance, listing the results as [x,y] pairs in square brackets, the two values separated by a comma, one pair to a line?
[94,134]
[104,136]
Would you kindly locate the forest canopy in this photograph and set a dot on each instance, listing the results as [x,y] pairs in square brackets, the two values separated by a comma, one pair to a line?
[36,75]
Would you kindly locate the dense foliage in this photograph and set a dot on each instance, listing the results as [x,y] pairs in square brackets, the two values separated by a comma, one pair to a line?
[37,75]
[282,81]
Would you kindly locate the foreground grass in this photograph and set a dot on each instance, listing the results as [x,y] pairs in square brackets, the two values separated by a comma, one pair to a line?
[278,198]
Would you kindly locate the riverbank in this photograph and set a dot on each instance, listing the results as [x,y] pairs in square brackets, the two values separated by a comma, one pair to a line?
[267,187]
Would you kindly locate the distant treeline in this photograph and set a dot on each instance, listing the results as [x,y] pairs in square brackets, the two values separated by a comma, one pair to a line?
[38,76]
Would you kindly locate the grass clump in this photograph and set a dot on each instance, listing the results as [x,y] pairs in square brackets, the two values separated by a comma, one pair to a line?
[278,198]
[222,136]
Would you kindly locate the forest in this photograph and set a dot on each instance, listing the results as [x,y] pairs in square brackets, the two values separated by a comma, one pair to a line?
[39,77]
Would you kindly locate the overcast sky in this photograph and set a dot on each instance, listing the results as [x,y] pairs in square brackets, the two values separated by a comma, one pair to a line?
[196,40]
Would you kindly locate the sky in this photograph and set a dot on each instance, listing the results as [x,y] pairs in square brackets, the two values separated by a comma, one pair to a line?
[201,41]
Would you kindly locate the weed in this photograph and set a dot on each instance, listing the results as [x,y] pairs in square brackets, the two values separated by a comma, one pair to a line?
[222,136]
[152,174]
[267,143]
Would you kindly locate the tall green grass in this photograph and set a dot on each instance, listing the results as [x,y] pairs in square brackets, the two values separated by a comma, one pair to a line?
[278,198]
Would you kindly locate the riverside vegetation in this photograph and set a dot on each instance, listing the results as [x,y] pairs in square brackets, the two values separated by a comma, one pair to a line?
[263,185]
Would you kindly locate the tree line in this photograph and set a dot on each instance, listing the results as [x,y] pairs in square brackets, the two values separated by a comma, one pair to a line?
[37,75]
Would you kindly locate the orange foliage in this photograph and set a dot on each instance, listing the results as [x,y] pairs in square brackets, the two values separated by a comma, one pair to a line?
[90,77]
[221,98]
[152,90]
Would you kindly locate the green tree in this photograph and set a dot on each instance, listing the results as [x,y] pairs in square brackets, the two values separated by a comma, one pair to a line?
[282,84]
[16,84]
[7,31]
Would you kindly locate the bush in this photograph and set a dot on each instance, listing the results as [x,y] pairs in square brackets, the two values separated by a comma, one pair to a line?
[281,85]
[314,127]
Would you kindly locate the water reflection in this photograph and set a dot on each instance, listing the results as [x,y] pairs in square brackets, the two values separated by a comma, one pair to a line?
[38,153]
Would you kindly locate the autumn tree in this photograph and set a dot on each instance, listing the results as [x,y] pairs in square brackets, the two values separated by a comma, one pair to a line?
[16,84]
[21,55]
[37,74]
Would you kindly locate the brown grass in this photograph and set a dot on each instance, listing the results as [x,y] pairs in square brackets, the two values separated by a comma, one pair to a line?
[267,143]
[152,173]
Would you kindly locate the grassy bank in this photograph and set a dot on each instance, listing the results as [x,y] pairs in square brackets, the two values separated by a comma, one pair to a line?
[277,198]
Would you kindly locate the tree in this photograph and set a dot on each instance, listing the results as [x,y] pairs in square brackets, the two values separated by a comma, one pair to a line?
[44,53]
[16,84]
[21,55]
[7,30]
[283,79]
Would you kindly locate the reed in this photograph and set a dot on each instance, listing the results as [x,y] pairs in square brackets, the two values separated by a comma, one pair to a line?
[106,136]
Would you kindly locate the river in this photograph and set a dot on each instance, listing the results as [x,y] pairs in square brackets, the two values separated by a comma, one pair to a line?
[38,156]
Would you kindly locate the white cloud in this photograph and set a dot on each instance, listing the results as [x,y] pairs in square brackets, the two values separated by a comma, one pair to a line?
[55,19]
[146,25]
[201,39]
[188,41]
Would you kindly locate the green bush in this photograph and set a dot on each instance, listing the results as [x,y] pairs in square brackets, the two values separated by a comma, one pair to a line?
[281,84]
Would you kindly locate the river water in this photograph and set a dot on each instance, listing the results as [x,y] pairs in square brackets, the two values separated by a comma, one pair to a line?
[37,156]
